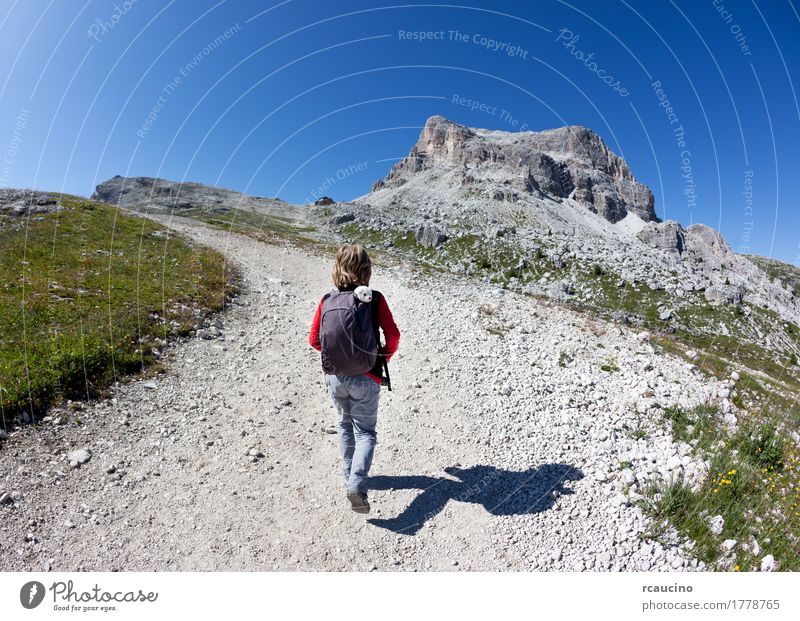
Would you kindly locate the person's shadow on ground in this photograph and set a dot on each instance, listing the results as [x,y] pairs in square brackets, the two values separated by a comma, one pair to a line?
[501,492]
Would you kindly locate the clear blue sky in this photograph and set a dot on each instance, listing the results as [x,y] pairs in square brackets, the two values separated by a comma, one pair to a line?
[311,93]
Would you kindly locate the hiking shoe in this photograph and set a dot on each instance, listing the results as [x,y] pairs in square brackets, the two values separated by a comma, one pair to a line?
[358,502]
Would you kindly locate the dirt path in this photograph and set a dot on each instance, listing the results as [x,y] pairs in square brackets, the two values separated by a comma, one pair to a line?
[490,455]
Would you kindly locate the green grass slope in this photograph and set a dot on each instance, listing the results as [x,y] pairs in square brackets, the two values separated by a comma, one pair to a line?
[86,295]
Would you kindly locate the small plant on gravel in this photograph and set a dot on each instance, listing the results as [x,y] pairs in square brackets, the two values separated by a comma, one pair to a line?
[671,501]
[564,359]
[595,327]
[487,309]
[609,368]
[497,330]
[698,426]
[639,433]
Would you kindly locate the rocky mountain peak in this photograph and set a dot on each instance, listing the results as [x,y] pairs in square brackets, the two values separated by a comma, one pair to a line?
[571,162]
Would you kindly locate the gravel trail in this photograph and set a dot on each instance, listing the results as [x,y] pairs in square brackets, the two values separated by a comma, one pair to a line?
[504,445]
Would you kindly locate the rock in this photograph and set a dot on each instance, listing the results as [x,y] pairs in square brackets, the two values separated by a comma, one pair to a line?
[343,218]
[3,435]
[665,315]
[5,498]
[324,201]
[429,237]
[673,463]
[150,385]
[716,524]
[708,247]
[768,563]
[69,524]
[79,457]
[735,376]
[24,203]
[667,236]
[723,295]
[729,544]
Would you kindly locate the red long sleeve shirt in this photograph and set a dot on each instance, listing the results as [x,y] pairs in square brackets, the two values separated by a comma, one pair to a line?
[391,334]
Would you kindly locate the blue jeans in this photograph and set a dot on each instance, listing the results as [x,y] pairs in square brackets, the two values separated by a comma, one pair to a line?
[356,401]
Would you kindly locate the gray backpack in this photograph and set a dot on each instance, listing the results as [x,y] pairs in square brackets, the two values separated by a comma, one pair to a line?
[348,333]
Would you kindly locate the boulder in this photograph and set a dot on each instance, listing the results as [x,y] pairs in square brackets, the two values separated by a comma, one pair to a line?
[667,236]
[342,218]
[430,237]
[707,246]
[723,295]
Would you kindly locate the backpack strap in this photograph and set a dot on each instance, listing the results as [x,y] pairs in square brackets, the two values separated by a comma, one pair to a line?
[376,299]
[381,366]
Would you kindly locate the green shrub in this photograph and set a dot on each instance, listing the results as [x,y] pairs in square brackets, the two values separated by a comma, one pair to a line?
[762,446]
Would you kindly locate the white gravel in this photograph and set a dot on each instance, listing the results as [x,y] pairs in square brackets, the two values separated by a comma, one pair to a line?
[504,445]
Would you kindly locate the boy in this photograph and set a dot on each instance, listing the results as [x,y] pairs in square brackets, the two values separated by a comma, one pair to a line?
[345,330]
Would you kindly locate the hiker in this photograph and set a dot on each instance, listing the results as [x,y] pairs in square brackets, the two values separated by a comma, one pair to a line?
[346,330]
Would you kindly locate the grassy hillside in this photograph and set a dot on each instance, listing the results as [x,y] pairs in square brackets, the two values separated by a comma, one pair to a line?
[87,294]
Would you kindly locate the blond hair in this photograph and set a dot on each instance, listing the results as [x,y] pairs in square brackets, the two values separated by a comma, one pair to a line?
[352,267]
